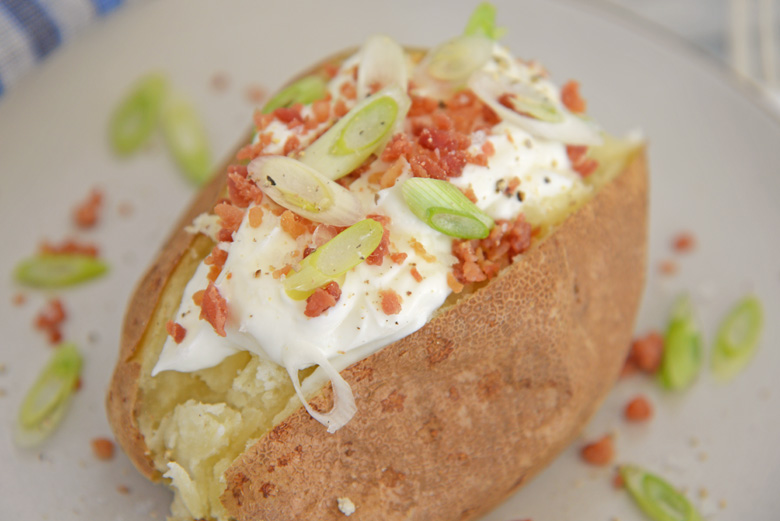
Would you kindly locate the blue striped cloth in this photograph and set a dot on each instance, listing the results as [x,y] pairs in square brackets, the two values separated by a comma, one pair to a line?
[31,29]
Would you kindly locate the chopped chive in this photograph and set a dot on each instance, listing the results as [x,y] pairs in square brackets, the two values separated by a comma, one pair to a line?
[334,258]
[46,402]
[186,138]
[135,118]
[482,22]
[357,135]
[737,338]
[58,270]
[443,207]
[657,498]
[682,356]
[304,91]
[305,191]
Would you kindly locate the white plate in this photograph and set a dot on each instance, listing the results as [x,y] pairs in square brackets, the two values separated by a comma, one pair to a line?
[714,152]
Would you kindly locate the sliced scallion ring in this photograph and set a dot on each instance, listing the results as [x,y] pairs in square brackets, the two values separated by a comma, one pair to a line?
[382,62]
[46,402]
[304,91]
[334,258]
[443,207]
[186,138]
[305,191]
[526,100]
[682,355]
[482,22]
[136,117]
[357,135]
[737,338]
[58,270]
[454,61]
[657,498]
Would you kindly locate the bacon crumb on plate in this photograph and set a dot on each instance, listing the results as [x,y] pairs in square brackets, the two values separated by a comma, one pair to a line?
[87,213]
[647,351]
[639,409]
[600,452]
[50,320]
[684,242]
[102,448]
[19,299]
[69,246]
[668,267]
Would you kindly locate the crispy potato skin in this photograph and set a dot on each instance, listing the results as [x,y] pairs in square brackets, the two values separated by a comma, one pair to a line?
[455,417]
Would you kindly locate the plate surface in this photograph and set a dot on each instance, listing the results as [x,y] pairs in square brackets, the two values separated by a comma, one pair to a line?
[713,152]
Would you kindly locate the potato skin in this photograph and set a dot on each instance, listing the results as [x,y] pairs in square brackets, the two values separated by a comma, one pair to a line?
[455,417]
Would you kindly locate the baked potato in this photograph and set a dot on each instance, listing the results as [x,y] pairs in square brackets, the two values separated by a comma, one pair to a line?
[449,419]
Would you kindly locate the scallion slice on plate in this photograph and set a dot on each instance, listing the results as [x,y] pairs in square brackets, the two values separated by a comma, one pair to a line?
[186,138]
[304,91]
[47,400]
[361,132]
[58,270]
[137,115]
[657,498]
[334,258]
[305,191]
[443,207]
[682,356]
[737,338]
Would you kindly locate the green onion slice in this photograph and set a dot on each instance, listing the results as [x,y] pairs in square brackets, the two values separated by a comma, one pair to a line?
[383,62]
[454,61]
[186,138]
[682,356]
[305,191]
[737,338]
[58,270]
[528,101]
[135,118]
[482,22]
[334,258]
[657,498]
[46,402]
[304,91]
[443,207]
[361,132]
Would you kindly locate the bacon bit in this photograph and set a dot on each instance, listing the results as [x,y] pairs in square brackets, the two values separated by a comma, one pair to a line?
[243,191]
[19,299]
[291,145]
[103,448]
[580,163]
[253,150]
[422,106]
[600,452]
[294,224]
[420,250]
[571,98]
[453,283]
[684,242]
[86,214]
[230,216]
[277,210]
[78,385]
[176,331]
[322,299]
[512,185]
[277,274]
[488,149]
[321,110]
[638,410]
[416,274]
[330,70]
[668,267]
[50,319]
[377,257]
[469,193]
[441,121]
[213,273]
[69,246]
[213,309]
[647,351]
[255,216]
[339,108]
[289,115]
[480,260]
[618,482]
[398,258]
[348,90]
[391,175]
[217,257]
[391,302]
[255,94]
[197,297]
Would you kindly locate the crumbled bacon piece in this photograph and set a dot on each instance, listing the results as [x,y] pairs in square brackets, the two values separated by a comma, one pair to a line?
[294,224]
[243,191]
[571,98]
[668,267]
[378,255]
[453,283]
[69,246]
[19,299]
[339,108]
[416,274]
[230,217]
[398,257]
[102,448]
[214,309]
[600,452]
[283,271]
[50,320]
[213,273]
[488,149]
[422,106]
[321,110]
[348,90]
[420,250]
[391,302]
[646,352]
[197,297]
[86,214]
[580,163]
[322,299]
[176,331]
[638,409]
[291,116]
[217,257]
[684,242]
[469,193]
[291,145]
[255,216]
